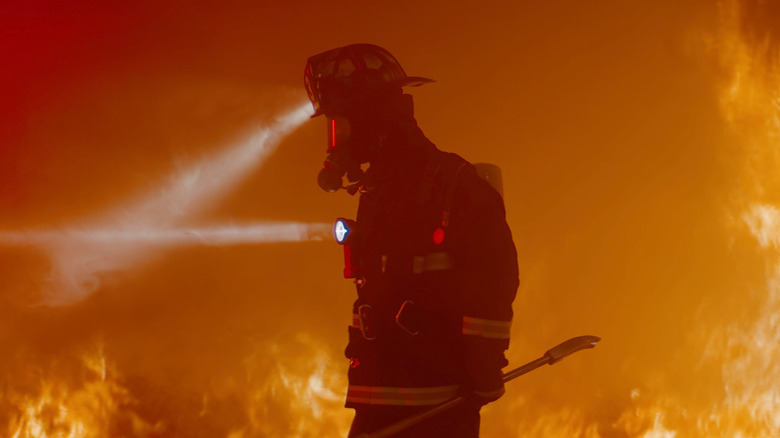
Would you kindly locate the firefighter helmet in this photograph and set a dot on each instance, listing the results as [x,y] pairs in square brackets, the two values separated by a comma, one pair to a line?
[339,78]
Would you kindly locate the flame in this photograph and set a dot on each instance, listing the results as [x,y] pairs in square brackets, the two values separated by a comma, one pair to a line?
[747,351]
[304,387]
[751,358]
[752,373]
[86,397]
[296,380]
[292,384]
[74,398]
[743,399]
[82,394]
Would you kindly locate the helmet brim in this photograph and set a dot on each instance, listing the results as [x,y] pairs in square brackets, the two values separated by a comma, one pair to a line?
[412,81]
[409,81]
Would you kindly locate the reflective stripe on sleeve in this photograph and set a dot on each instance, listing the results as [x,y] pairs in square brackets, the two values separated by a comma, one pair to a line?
[487,328]
[396,396]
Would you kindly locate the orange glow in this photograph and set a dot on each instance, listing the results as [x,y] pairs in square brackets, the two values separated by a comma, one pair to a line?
[75,397]
[164,269]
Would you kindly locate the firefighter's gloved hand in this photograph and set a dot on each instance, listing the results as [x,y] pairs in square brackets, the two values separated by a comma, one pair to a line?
[484,397]
[484,361]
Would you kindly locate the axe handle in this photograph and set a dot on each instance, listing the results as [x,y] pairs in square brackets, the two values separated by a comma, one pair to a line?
[416,418]
[553,355]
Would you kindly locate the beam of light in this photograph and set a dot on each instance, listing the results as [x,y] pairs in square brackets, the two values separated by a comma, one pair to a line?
[135,232]
[199,185]
[269,232]
[80,257]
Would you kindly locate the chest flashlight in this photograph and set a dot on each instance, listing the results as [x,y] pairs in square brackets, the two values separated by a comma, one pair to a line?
[344,233]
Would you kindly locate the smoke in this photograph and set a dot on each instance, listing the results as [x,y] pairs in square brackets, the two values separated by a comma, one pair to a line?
[632,149]
[197,186]
[764,224]
[138,231]
[80,258]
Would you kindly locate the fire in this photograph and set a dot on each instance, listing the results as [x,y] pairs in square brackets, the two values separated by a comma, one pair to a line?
[86,397]
[747,351]
[291,383]
[304,383]
[732,385]
[290,388]
[752,374]
[73,397]
[751,358]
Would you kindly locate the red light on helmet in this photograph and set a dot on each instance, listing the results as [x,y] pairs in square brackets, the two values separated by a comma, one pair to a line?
[332,136]
[338,132]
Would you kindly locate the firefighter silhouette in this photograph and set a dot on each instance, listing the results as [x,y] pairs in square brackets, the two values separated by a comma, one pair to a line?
[430,252]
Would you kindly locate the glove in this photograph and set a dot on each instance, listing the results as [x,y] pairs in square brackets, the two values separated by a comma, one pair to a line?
[481,398]
[490,396]
[484,360]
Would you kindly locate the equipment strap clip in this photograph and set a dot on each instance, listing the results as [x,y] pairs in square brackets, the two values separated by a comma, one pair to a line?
[363,317]
[405,317]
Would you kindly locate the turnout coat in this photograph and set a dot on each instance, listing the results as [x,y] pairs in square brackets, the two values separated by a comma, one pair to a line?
[436,273]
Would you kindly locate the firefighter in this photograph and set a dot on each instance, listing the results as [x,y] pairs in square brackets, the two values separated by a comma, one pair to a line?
[430,252]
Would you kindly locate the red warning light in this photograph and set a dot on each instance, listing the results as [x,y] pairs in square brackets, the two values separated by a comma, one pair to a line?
[332,144]
[438,236]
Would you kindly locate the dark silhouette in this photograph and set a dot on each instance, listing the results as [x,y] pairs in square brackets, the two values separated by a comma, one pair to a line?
[430,251]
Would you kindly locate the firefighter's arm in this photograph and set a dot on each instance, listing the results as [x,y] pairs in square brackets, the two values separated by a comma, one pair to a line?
[489,284]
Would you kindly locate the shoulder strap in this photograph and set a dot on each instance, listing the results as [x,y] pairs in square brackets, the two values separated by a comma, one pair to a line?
[441,173]
[451,179]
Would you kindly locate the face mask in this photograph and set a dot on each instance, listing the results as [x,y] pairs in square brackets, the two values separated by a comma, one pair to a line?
[341,160]
[359,136]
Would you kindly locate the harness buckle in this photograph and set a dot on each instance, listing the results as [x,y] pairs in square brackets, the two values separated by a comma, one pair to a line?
[405,318]
[363,318]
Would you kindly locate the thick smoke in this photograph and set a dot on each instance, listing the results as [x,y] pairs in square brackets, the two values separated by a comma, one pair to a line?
[138,231]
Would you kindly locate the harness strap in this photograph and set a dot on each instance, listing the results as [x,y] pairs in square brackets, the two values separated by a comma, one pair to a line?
[446,169]
[445,214]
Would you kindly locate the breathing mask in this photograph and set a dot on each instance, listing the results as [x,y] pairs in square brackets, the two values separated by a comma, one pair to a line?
[335,80]
[341,160]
